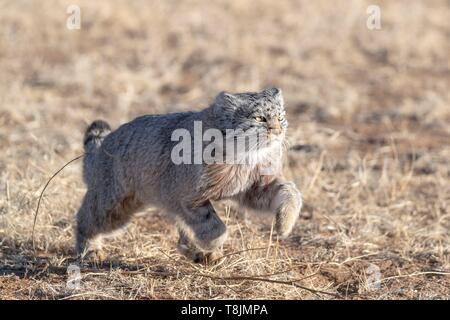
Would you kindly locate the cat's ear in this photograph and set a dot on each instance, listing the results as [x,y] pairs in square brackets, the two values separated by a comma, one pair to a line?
[227,99]
[275,93]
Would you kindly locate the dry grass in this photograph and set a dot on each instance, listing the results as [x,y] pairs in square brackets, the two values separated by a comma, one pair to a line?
[370,131]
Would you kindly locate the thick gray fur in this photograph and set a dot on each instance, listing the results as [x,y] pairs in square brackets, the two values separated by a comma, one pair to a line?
[130,168]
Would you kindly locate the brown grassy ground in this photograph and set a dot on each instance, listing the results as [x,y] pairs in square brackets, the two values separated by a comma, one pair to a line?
[370,131]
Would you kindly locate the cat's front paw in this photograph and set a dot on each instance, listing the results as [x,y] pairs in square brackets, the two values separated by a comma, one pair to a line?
[197,256]
[288,204]
[208,230]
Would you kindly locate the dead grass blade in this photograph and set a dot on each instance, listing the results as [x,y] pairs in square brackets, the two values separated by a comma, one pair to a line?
[42,194]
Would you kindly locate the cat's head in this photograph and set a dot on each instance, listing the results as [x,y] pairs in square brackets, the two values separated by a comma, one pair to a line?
[256,112]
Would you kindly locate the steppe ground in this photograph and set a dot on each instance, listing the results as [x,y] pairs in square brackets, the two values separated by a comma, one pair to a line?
[369,114]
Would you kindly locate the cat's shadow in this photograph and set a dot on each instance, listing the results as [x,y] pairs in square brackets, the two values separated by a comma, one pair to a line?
[24,262]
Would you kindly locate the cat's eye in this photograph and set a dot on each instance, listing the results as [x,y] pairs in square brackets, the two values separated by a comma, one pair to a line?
[260,119]
[280,117]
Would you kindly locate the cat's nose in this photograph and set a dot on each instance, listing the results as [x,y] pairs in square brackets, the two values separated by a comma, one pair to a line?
[274,126]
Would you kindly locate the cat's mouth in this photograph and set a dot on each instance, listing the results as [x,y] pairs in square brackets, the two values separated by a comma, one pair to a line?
[275,136]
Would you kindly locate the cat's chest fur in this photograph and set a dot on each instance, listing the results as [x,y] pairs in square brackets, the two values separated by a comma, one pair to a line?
[221,181]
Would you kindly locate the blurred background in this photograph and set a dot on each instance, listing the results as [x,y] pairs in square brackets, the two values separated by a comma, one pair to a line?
[369,133]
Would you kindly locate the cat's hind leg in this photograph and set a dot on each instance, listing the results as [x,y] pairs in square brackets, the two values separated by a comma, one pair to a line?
[87,226]
[96,218]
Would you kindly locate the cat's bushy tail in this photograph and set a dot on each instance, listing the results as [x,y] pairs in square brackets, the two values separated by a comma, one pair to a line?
[95,134]
[93,138]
